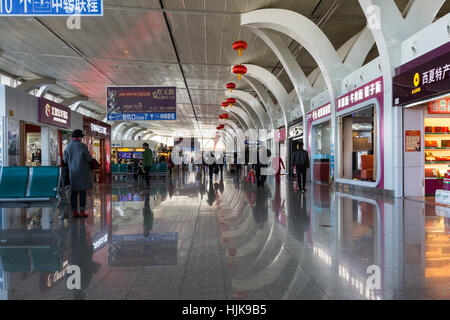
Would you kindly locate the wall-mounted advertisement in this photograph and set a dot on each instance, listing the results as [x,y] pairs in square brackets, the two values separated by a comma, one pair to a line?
[412,140]
[141,103]
[53,145]
[13,143]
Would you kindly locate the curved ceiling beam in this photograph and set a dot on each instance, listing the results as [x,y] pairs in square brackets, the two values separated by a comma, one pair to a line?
[274,85]
[73,100]
[251,114]
[148,136]
[35,83]
[300,82]
[254,104]
[126,135]
[238,132]
[117,130]
[266,100]
[133,137]
[306,33]
[249,124]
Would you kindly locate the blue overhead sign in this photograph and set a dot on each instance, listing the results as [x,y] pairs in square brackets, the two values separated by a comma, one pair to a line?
[51,7]
[141,116]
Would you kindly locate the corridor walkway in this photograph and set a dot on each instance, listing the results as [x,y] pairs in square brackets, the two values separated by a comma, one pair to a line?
[194,239]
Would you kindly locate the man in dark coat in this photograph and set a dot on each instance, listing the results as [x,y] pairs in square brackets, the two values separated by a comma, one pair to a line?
[78,160]
[300,159]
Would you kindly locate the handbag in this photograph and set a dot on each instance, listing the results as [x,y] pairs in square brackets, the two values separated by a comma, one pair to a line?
[94,164]
[216,169]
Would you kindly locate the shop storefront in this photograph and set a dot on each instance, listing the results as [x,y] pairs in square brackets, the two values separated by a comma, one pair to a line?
[422,88]
[319,142]
[98,140]
[360,142]
[34,130]
[295,137]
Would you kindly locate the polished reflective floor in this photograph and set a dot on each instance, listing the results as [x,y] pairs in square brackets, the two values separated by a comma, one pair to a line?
[189,238]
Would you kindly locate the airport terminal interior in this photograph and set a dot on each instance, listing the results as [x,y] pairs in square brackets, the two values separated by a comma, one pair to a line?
[225,150]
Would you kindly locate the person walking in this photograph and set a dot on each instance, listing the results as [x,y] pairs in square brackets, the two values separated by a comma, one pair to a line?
[170,164]
[147,163]
[78,158]
[277,163]
[300,159]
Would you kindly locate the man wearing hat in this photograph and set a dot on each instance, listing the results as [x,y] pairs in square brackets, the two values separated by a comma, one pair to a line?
[78,158]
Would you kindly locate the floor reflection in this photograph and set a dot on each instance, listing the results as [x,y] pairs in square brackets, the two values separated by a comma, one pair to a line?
[189,237]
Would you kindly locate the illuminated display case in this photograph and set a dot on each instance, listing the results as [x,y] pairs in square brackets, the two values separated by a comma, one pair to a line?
[437,145]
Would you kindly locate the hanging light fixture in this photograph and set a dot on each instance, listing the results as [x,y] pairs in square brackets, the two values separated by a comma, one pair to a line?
[239,70]
[240,45]
[230,101]
[231,86]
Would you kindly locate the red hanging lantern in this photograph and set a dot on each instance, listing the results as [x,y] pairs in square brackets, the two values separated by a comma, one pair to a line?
[240,45]
[231,86]
[230,101]
[224,116]
[224,104]
[239,70]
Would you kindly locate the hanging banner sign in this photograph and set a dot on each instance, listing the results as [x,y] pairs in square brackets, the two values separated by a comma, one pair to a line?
[141,103]
[53,113]
[424,77]
[373,89]
[51,7]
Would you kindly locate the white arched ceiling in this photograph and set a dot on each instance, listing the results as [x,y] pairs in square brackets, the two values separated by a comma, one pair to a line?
[253,103]
[117,131]
[301,84]
[250,113]
[265,99]
[128,132]
[243,115]
[274,85]
[307,34]
[137,132]
[35,83]
[249,122]
[148,136]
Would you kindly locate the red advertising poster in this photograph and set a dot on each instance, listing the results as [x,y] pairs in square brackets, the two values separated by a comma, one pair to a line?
[439,106]
[412,141]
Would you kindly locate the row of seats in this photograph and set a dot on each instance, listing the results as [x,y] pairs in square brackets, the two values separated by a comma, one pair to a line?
[156,170]
[123,168]
[29,184]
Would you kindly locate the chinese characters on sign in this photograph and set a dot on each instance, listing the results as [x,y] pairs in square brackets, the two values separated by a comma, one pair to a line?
[141,103]
[439,106]
[436,74]
[51,7]
[53,113]
[321,112]
[424,77]
[366,92]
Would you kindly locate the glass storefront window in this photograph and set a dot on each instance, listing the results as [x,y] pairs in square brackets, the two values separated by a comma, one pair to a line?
[323,138]
[33,145]
[358,145]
